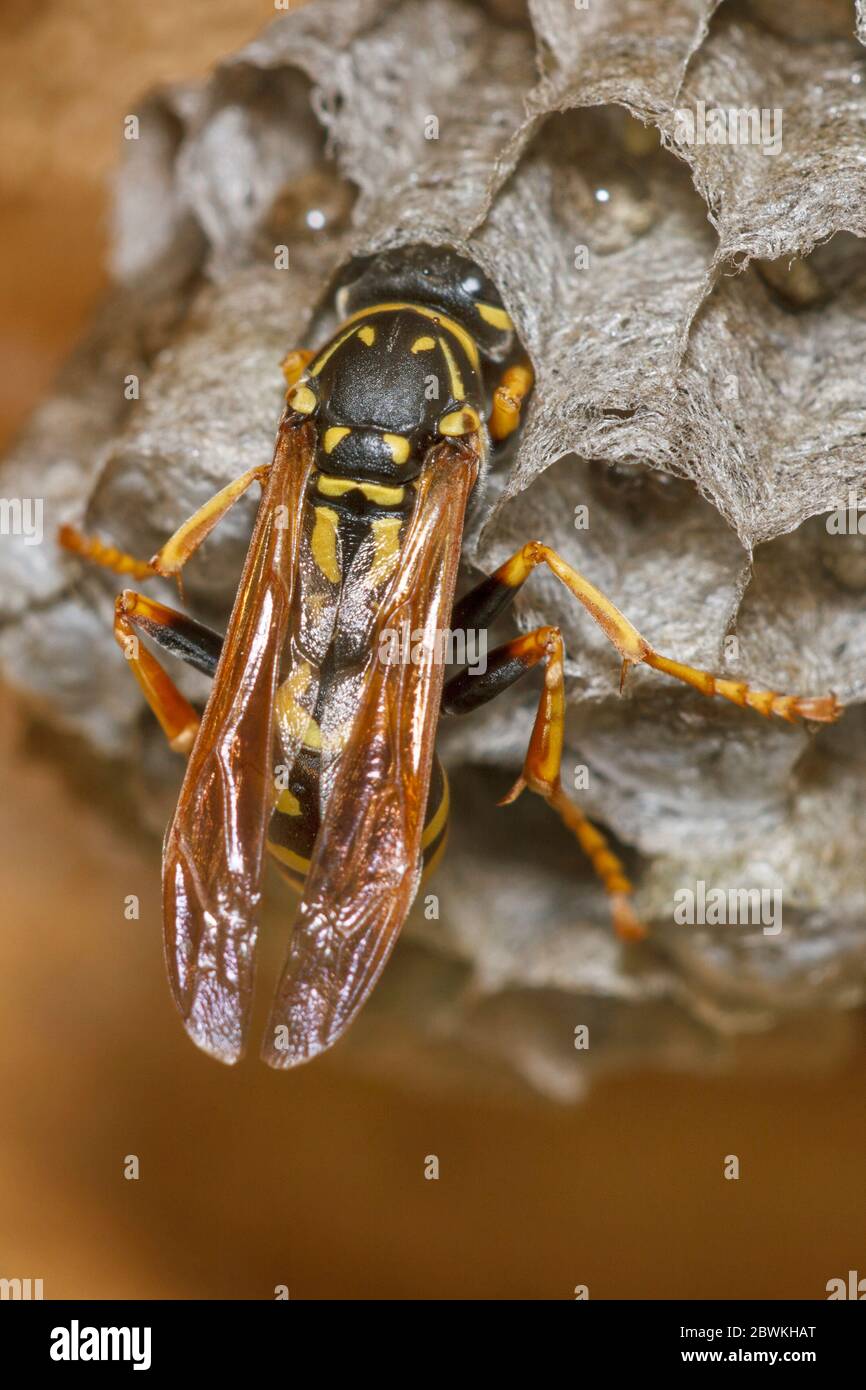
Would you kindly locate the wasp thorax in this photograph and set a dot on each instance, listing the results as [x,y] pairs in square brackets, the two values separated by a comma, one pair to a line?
[364,453]
[395,379]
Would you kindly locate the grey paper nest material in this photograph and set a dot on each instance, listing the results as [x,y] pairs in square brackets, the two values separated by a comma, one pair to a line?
[696,313]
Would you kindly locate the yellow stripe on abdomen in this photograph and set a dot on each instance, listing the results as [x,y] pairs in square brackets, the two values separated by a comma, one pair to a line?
[324,543]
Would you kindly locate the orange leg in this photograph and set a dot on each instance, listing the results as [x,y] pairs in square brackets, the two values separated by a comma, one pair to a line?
[108,556]
[634,649]
[172,630]
[542,765]
[508,398]
[170,559]
[294,363]
[541,773]
[176,715]
[176,633]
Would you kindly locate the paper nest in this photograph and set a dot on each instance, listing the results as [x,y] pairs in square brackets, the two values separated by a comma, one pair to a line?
[696,315]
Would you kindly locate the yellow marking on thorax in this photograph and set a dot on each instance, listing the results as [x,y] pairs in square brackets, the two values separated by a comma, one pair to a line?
[374,492]
[333,436]
[386,540]
[423,344]
[457,390]
[462,421]
[368,335]
[439,819]
[324,543]
[329,352]
[398,445]
[302,399]
[492,314]
[466,341]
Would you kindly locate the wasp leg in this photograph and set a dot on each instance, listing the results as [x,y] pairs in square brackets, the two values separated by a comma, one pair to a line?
[91,548]
[175,632]
[178,634]
[171,558]
[294,363]
[514,386]
[542,766]
[483,603]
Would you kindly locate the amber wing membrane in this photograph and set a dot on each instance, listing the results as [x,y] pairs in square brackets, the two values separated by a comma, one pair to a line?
[212,862]
[365,866]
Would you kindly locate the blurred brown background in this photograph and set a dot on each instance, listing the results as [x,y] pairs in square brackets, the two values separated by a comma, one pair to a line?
[315,1180]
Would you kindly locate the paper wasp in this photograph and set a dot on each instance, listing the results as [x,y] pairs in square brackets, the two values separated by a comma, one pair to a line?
[358,532]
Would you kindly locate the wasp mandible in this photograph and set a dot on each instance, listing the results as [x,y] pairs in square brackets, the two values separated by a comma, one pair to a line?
[312,748]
